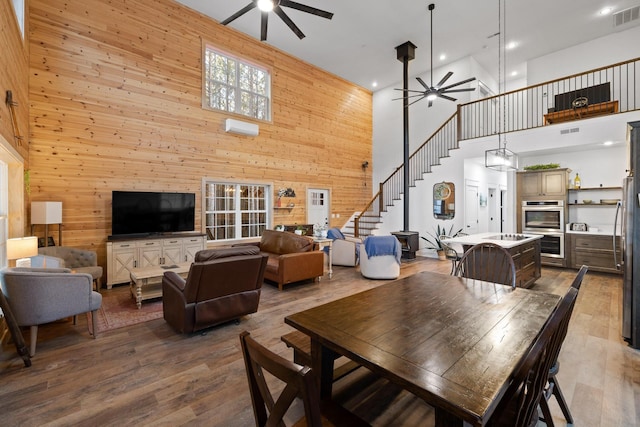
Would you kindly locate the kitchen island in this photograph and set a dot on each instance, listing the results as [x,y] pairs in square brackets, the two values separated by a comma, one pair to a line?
[524,249]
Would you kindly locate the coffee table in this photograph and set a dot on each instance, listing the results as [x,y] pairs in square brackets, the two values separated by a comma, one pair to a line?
[146,282]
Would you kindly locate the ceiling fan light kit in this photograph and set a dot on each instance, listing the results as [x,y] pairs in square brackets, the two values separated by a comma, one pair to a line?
[275,6]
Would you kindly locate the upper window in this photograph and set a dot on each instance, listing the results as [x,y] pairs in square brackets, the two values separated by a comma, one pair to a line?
[233,85]
[18,7]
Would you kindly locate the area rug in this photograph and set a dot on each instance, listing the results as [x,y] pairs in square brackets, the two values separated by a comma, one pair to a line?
[119,310]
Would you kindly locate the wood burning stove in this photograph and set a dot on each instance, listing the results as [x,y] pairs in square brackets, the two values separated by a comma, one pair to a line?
[410,241]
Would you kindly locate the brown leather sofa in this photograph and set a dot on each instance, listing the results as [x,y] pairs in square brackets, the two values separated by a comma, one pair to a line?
[222,285]
[292,258]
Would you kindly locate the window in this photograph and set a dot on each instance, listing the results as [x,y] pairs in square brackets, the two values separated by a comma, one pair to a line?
[233,85]
[18,7]
[235,211]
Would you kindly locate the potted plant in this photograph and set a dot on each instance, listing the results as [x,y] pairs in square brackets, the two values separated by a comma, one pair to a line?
[434,241]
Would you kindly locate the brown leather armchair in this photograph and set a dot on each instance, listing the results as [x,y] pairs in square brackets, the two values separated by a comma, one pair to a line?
[222,285]
[292,258]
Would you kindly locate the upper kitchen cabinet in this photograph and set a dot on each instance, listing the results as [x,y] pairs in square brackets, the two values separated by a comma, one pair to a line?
[543,184]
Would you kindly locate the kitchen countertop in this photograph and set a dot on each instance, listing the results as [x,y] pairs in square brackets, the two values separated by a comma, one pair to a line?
[595,233]
[474,239]
[595,229]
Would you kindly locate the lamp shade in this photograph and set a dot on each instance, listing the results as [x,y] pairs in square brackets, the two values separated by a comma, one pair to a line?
[46,212]
[22,247]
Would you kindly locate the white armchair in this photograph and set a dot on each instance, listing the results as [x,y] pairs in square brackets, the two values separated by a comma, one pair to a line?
[380,257]
[37,296]
[345,250]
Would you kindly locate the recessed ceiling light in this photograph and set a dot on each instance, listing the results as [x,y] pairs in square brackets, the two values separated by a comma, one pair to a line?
[374,84]
[443,57]
[512,45]
[606,11]
[514,73]
[607,143]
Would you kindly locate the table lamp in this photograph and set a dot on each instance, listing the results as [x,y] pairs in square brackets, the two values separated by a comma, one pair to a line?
[47,213]
[21,248]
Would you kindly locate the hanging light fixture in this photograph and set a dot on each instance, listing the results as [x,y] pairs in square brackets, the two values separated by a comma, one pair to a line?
[501,159]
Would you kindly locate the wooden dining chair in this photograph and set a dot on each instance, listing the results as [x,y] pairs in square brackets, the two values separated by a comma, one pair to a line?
[488,262]
[553,388]
[299,382]
[450,253]
[519,407]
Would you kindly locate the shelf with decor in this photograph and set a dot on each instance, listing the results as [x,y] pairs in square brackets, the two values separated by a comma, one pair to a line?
[574,201]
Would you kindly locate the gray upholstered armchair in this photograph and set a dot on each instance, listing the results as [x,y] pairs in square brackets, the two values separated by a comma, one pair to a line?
[345,249]
[78,260]
[38,296]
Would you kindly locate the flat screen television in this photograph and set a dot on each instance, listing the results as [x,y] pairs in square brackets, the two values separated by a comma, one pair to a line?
[140,212]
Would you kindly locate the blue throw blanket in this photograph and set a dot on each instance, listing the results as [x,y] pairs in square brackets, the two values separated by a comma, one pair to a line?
[334,233]
[383,245]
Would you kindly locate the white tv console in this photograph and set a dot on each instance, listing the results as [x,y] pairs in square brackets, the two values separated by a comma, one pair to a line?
[126,254]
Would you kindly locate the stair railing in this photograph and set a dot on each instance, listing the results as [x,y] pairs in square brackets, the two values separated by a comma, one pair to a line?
[420,162]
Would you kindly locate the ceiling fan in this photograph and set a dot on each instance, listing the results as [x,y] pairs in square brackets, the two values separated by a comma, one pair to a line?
[276,6]
[432,92]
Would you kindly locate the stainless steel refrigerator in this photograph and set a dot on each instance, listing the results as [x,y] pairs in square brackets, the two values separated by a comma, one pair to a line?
[627,218]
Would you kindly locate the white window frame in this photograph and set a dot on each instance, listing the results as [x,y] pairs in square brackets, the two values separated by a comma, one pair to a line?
[250,97]
[18,9]
[249,215]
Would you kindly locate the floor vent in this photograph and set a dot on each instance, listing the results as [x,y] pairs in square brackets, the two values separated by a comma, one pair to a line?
[567,131]
[626,16]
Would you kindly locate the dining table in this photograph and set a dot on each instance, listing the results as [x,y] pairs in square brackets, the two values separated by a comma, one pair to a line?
[451,341]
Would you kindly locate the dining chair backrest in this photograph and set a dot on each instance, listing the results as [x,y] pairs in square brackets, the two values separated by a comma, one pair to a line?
[488,262]
[577,281]
[298,379]
[553,388]
[519,408]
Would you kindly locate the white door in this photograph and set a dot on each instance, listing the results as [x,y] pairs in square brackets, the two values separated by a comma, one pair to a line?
[471,208]
[317,206]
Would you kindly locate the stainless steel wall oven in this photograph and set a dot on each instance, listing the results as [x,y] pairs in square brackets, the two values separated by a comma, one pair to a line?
[545,217]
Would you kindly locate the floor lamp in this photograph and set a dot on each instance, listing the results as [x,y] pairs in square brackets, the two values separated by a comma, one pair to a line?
[47,213]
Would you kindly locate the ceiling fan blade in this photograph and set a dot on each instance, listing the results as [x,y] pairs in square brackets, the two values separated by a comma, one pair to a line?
[278,11]
[305,8]
[410,90]
[440,95]
[239,13]
[459,83]
[264,20]
[423,83]
[419,99]
[444,79]
[469,89]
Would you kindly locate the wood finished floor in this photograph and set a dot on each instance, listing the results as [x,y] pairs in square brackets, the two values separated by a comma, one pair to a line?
[148,375]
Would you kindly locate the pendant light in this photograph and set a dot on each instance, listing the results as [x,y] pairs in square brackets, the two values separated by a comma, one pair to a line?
[501,159]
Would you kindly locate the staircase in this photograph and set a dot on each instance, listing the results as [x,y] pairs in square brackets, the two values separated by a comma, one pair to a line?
[421,162]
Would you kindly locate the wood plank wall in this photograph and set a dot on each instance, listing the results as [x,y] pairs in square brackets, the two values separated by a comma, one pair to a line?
[115,93]
[14,76]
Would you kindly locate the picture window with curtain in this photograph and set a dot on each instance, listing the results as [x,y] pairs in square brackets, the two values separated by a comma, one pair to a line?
[235,211]
[234,85]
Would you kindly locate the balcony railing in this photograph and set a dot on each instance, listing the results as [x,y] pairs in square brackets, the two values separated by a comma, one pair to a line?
[605,90]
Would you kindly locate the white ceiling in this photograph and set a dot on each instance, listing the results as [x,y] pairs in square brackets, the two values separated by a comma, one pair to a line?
[358,44]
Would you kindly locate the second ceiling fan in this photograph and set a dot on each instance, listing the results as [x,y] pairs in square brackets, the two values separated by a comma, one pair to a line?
[432,92]
[276,6]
